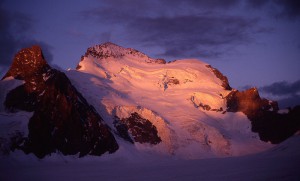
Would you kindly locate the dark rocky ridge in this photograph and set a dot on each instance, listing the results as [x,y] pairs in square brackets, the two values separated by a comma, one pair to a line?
[220,76]
[140,129]
[111,50]
[62,118]
[263,114]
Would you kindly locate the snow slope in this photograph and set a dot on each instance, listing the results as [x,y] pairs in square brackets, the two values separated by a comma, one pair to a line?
[118,81]
[279,163]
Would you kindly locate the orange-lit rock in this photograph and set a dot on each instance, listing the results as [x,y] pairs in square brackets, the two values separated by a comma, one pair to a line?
[62,119]
[263,114]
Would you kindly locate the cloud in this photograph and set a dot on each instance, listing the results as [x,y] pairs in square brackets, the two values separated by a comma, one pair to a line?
[282,88]
[15,29]
[291,101]
[194,28]
[289,8]
[192,35]
[212,4]
[257,3]
[154,7]
[287,94]
[280,8]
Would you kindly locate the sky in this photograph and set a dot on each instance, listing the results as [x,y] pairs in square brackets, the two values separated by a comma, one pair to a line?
[252,42]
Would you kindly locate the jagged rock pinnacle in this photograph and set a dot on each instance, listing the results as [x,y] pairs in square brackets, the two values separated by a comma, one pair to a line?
[27,62]
[62,119]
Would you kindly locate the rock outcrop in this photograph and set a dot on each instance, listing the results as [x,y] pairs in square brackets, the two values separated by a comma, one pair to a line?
[62,119]
[220,76]
[263,114]
[142,130]
[249,102]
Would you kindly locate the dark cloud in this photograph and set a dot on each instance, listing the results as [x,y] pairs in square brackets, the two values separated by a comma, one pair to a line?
[289,93]
[280,8]
[179,28]
[257,3]
[291,101]
[289,8]
[15,29]
[114,11]
[118,11]
[153,5]
[211,3]
[282,88]
[194,35]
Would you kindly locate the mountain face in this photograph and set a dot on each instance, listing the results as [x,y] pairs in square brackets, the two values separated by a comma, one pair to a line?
[190,103]
[62,119]
[120,97]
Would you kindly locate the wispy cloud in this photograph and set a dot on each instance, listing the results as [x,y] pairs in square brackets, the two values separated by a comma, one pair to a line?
[15,30]
[282,88]
[288,94]
[202,35]
[194,28]
[279,8]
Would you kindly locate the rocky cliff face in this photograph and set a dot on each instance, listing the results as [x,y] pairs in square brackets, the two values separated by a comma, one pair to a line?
[219,75]
[62,118]
[142,130]
[263,114]
[249,102]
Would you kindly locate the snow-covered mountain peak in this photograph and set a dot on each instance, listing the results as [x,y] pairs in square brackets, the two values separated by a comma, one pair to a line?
[180,105]
[123,65]
[120,98]
[110,50]
[106,50]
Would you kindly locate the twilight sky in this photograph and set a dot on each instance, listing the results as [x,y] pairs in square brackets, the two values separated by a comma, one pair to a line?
[253,42]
